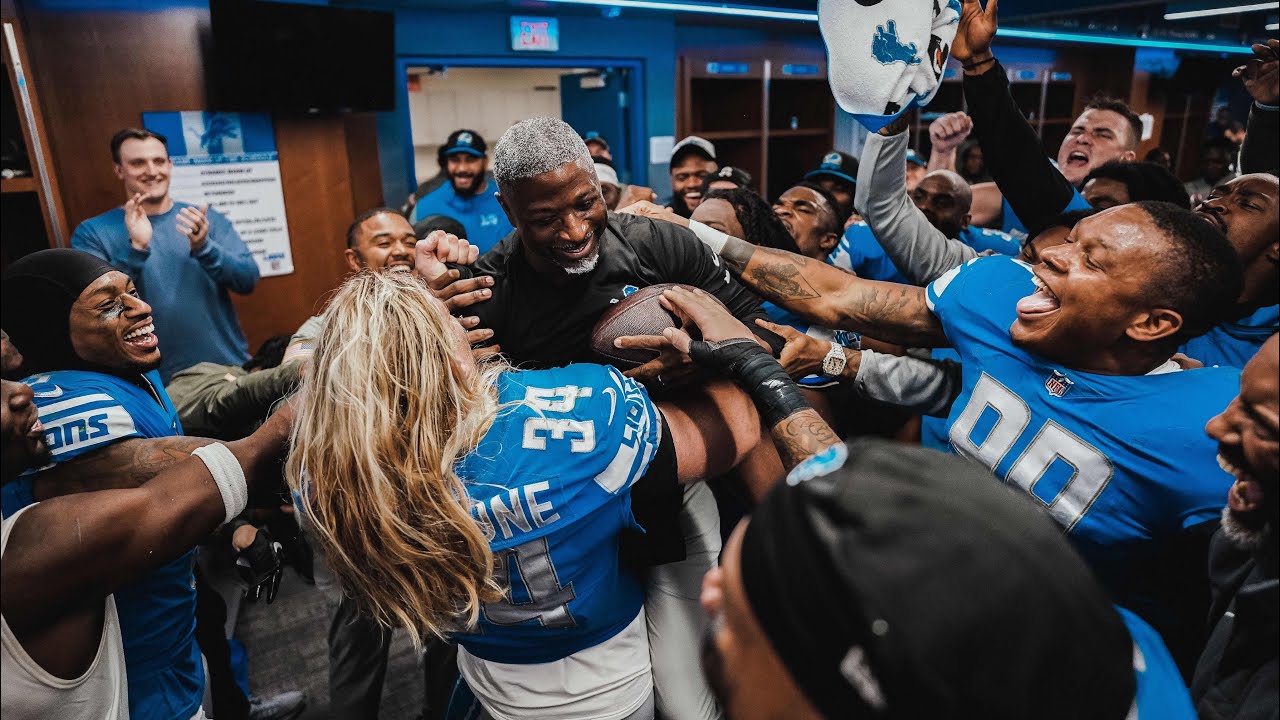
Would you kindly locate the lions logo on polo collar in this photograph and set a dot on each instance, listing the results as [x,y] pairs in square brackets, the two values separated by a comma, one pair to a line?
[831,160]
[465,139]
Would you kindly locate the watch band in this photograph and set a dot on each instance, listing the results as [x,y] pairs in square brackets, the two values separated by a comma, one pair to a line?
[834,362]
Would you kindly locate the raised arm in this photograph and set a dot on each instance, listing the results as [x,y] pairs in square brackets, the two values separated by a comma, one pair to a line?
[1013,152]
[921,252]
[75,550]
[1261,77]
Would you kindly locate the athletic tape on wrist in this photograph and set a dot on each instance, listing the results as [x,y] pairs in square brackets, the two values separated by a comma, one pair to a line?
[776,395]
[228,475]
[709,236]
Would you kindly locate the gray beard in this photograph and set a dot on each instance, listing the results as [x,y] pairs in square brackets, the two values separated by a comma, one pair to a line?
[583,266]
[1240,534]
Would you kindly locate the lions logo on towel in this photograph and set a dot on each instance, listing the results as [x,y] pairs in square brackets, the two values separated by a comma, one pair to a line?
[888,49]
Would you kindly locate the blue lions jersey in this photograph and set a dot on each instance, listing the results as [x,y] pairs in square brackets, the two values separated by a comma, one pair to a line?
[1232,344]
[84,411]
[481,214]
[860,252]
[550,484]
[1121,462]
[1161,694]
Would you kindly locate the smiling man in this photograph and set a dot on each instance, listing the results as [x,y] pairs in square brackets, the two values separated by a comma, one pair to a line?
[1236,676]
[90,342]
[184,258]
[1065,365]
[467,196]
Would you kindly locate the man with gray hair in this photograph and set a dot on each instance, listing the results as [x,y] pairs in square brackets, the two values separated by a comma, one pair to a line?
[568,261]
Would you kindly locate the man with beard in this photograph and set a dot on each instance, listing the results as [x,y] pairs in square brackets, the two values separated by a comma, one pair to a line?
[1236,676]
[692,160]
[467,196]
[568,261]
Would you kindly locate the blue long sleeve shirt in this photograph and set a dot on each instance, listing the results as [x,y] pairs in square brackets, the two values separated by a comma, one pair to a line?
[188,293]
[481,214]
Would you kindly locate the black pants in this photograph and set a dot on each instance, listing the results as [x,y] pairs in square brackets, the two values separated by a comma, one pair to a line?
[358,648]
[229,701]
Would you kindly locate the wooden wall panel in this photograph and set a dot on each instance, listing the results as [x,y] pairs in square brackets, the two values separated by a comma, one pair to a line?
[98,71]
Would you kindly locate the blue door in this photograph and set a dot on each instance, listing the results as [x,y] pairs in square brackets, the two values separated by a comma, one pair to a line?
[597,102]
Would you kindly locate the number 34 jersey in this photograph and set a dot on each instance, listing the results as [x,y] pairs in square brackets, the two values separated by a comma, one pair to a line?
[1121,462]
[550,485]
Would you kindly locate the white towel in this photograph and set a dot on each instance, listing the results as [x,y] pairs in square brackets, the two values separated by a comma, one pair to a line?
[883,56]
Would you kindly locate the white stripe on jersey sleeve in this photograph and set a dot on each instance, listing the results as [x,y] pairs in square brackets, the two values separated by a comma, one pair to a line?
[636,449]
[51,408]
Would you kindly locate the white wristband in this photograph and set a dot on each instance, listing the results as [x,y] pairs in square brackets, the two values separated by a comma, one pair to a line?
[709,236]
[228,475]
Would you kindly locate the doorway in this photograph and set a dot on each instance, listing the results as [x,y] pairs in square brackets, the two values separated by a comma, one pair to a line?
[490,96]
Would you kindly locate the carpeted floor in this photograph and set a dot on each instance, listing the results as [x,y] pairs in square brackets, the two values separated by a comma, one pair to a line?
[287,647]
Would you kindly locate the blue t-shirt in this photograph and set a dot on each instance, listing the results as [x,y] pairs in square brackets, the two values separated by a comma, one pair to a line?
[84,411]
[1232,344]
[195,320]
[481,214]
[1121,462]
[1011,224]
[1161,694]
[550,484]
[860,252]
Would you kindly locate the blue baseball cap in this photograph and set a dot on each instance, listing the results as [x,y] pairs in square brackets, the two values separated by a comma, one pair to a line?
[465,141]
[836,164]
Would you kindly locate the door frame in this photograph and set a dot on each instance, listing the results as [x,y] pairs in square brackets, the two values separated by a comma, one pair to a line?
[637,147]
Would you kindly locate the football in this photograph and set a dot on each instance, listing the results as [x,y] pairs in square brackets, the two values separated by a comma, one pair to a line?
[638,314]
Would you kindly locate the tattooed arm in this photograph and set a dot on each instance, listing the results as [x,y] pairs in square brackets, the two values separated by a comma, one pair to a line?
[125,464]
[834,298]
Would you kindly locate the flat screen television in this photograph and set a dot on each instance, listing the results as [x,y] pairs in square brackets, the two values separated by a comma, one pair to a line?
[300,59]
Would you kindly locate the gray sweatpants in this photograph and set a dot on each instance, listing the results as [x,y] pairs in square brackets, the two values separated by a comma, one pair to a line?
[676,622]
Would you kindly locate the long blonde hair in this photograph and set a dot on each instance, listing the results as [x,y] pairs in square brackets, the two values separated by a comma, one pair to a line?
[386,412]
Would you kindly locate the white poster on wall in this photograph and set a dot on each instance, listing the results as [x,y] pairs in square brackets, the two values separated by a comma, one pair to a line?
[229,161]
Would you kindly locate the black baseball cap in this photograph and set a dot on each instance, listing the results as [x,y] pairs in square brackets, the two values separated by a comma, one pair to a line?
[836,164]
[692,145]
[898,582]
[465,141]
[729,173]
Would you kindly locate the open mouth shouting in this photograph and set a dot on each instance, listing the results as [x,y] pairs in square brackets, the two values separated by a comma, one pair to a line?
[142,336]
[1040,303]
[1078,159]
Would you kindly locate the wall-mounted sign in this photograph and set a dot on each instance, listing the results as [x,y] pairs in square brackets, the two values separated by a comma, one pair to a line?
[719,68]
[799,69]
[535,33]
[229,161]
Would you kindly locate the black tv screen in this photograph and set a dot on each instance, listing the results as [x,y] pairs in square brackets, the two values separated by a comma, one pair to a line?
[300,59]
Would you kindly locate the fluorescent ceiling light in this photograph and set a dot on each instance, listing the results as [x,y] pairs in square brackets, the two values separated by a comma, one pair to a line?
[1210,12]
[1049,35]
[740,11]
[1272,26]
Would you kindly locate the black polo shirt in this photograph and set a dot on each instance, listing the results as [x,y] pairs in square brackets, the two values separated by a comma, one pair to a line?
[540,324]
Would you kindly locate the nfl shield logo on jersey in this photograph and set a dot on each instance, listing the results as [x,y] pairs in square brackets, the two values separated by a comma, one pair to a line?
[1058,384]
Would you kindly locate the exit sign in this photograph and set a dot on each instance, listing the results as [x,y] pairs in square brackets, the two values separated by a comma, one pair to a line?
[535,33]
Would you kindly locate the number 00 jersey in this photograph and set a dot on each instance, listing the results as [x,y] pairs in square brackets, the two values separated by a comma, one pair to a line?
[1121,462]
[550,484]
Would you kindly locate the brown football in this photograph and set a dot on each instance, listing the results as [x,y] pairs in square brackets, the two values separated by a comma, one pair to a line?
[638,314]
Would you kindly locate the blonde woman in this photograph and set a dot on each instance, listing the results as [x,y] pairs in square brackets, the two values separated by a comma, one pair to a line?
[489,502]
